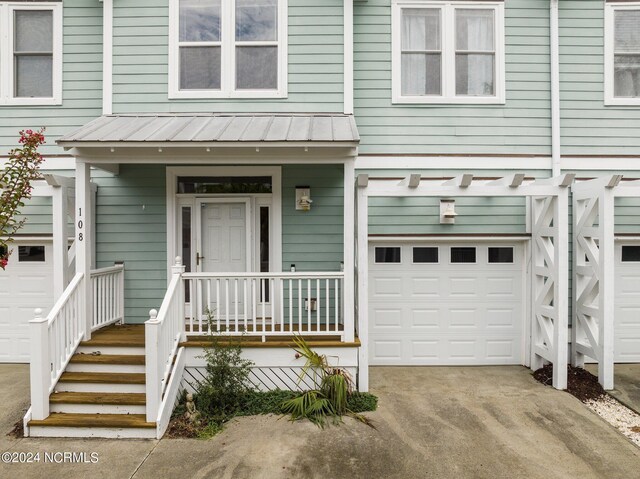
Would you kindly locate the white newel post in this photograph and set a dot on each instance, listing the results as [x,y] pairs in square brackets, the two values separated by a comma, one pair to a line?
[152,366]
[84,240]
[179,268]
[349,253]
[40,368]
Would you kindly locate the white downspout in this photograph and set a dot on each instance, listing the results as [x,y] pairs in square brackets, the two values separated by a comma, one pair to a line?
[554,41]
[107,57]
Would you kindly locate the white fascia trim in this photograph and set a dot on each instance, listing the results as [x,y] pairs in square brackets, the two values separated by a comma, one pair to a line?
[448,54]
[609,41]
[227,70]
[348,57]
[452,163]
[107,57]
[275,172]
[6,52]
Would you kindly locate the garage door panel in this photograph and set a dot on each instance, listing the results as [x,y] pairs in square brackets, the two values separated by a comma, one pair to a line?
[628,286]
[446,314]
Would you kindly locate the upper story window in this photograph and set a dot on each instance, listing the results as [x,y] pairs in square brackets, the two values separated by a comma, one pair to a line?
[31,53]
[622,54]
[448,52]
[228,49]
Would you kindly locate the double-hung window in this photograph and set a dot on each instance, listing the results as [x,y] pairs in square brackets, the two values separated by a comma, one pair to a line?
[622,53]
[228,49]
[448,52]
[31,53]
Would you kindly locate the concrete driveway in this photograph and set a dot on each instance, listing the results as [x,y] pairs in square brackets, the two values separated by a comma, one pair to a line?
[482,422]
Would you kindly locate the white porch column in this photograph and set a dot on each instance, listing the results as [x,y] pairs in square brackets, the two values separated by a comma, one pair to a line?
[84,239]
[606,297]
[561,295]
[60,253]
[349,253]
[363,288]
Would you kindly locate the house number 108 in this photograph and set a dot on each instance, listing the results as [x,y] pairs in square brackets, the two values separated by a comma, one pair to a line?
[80,225]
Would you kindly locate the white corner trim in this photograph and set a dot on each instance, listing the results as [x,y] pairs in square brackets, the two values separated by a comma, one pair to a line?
[107,57]
[348,57]
[7,36]
[554,49]
[447,50]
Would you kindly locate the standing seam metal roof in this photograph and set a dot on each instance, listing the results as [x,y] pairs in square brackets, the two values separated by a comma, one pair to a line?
[316,127]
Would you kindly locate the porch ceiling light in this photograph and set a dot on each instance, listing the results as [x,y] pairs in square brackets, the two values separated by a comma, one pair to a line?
[303,198]
[448,212]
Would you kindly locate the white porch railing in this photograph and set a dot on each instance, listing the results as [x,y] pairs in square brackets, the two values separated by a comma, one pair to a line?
[54,339]
[107,285]
[263,304]
[163,332]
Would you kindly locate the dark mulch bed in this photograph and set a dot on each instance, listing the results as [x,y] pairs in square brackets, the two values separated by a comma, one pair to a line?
[179,427]
[580,382]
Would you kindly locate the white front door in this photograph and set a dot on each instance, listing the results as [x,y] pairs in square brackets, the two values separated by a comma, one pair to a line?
[223,246]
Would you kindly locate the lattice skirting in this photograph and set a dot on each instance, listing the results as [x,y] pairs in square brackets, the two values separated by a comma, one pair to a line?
[261,378]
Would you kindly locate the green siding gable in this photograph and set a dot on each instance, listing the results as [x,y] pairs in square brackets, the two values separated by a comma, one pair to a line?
[588,126]
[315,51]
[81,82]
[522,125]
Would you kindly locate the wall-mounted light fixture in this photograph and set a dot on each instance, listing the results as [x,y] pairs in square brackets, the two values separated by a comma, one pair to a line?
[448,212]
[303,198]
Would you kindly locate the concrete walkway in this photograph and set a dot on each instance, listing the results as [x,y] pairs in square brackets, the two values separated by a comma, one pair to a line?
[482,422]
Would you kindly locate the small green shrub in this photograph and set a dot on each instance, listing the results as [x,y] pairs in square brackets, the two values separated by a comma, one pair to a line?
[362,402]
[224,387]
[264,402]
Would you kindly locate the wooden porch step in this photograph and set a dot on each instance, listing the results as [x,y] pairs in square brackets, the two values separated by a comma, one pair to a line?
[129,399]
[120,359]
[126,335]
[103,378]
[94,420]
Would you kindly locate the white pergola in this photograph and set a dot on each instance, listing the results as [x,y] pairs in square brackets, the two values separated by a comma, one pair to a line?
[549,220]
[594,270]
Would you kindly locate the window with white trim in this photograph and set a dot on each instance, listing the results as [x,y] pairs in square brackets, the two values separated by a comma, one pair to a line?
[448,52]
[31,53]
[622,54]
[228,49]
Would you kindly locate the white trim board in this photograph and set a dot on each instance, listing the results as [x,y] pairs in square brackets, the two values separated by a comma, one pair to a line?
[390,162]
[172,203]
[107,57]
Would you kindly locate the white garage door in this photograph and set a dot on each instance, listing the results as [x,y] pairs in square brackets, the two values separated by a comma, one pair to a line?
[627,308]
[446,304]
[26,284]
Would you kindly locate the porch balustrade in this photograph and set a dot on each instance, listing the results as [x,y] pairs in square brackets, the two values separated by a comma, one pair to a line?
[266,304]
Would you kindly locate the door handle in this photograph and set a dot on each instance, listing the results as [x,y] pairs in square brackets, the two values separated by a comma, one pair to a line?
[198,258]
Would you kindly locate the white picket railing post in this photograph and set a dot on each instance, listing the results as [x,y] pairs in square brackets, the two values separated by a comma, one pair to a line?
[179,268]
[40,366]
[152,366]
[121,295]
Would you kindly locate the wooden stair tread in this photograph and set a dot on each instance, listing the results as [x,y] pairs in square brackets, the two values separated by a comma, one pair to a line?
[94,420]
[130,399]
[124,335]
[113,378]
[121,359]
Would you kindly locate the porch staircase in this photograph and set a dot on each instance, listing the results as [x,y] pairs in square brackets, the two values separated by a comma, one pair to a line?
[101,393]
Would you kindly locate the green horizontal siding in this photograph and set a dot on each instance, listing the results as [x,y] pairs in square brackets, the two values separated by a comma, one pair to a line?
[589,127]
[313,240]
[81,82]
[522,125]
[131,227]
[315,61]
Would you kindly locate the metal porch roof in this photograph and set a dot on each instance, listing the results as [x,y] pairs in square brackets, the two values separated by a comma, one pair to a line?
[215,128]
